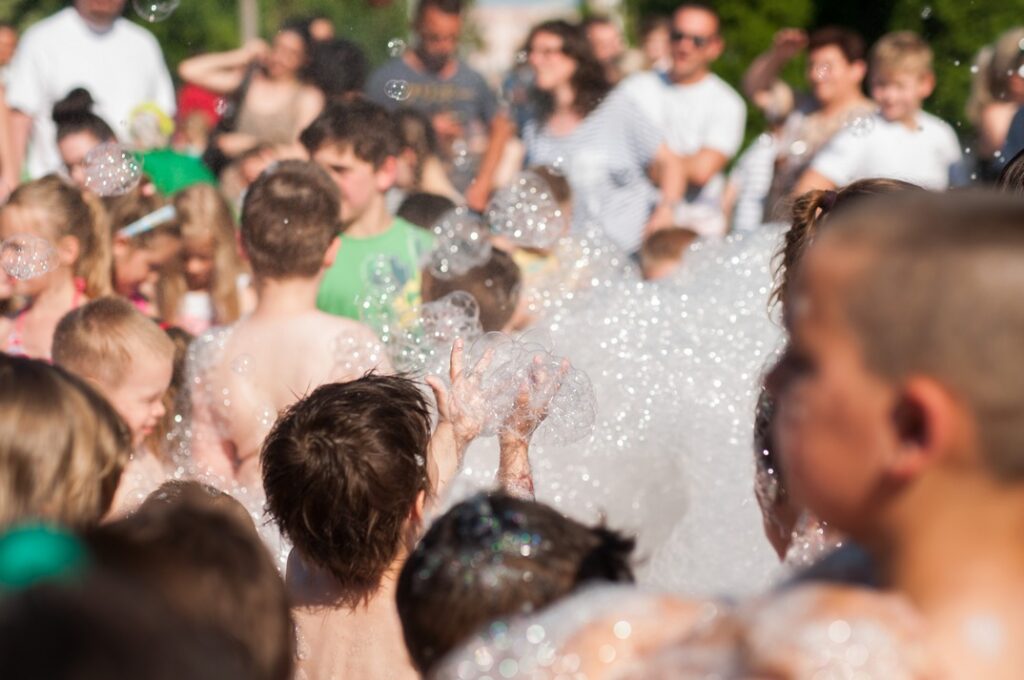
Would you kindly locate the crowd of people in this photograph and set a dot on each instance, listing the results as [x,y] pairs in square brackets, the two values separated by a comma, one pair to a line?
[227,449]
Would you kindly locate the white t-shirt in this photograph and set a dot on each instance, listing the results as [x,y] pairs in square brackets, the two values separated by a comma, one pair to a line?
[881,148]
[121,67]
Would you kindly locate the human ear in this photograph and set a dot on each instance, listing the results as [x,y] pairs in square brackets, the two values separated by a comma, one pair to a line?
[386,173]
[926,85]
[924,420]
[69,249]
[332,252]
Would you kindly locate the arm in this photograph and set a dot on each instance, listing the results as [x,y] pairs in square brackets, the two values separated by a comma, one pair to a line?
[670,170]
[764,71]
[221,72]
[479,192]
[455,430]
[699,168]
[811,180]
[21,127]
[8,179]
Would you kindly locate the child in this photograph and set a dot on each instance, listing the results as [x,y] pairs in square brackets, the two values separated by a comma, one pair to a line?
[424,209]
[146,238]
[62,446]
[129,360]
[662,252]
[357,144]
[420,167]
[75,224]
[495,286]
[209,285]
[900,141]
[903,426]
[243,375]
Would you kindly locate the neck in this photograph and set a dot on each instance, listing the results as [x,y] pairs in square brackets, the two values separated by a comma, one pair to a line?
[59,294]
[99,24]
[375,220]
[564,97]
[285,297]
[691,78]
[310,586]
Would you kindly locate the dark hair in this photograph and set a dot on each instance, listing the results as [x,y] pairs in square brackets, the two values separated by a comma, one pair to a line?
[654,22]
[339,68]
[495,285]
[73,114]
[849,42]
[289,219]
[424,209]
[445,6]
[1011,178]
[367,127]
[342,469]
[561,191]
[667,244]
[589,83]
[102,627]
[597,20]
[493,556]
[198,550]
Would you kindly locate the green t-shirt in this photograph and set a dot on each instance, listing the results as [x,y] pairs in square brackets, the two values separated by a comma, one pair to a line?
[345,281]
[172,171]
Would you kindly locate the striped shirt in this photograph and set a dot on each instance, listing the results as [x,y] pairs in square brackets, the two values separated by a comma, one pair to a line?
[605,160]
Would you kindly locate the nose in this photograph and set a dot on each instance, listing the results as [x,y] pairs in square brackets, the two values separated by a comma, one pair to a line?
[159,410]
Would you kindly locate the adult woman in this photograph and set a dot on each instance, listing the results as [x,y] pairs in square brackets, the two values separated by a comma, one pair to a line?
[997,91]
[597,137]
[274,104]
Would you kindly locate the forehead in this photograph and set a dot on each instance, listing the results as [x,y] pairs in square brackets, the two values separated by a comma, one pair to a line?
[830,53]
[434,20]
[339,153]
[696,20]
[289,39]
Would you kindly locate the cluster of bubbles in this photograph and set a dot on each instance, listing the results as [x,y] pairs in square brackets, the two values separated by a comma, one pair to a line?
[111,170]
[26,256]
[155,10]
[461,243]
[423,346]
[860,124]
[396,47]
[397,89]
[526,213]
[503,374]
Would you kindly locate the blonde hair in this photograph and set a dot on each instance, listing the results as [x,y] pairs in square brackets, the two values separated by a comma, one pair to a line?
[70,211]
[202,212]
[99,339]
[901,51]
[62,446]
[138,203]
[993,67]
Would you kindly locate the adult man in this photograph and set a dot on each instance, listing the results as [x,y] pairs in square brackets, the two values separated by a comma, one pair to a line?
[87,45]
[835,72]
[434,80]
[703,117]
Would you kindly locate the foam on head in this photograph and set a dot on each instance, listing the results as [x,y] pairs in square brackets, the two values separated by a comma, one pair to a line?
[495,285]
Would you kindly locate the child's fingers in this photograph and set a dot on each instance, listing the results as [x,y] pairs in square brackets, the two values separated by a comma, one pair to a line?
[440,396]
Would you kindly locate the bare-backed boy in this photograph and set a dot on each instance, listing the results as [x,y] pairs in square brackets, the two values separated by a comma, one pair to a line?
[243,375]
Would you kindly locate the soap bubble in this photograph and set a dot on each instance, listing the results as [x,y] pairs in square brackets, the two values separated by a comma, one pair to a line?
[860,125]
[111,170]
[353,356]
[526,213]
[155,10]
[926,12]
[397,90]
[396,46]
[24,256]
[242,364]
[423,346]
[462,244]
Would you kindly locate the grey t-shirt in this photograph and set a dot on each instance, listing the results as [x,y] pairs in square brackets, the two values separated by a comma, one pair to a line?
[465,94]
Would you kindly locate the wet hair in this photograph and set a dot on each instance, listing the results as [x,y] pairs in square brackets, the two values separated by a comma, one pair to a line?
[589,83]
[444,6]
[73,114]
[101,340]
[1011,178]
[289,219]
[424,209]
[849,42]
[810,212]
[667,244]
[901,51]
[69,211]
[417,135]
[495,285]
[342,469]
[937,293]
[62,446]
[366,127]
[99,627]
[339,68]
[197,548]
[494,556]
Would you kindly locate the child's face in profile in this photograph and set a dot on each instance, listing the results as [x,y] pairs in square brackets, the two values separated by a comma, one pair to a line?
[900,92]
[139,397]
[197,257]
[357,180]
[134,266]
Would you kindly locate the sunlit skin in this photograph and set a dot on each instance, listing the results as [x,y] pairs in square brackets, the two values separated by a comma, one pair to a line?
[553,69]
[73,149]
[833,79]
[361,187]
[138,398]
[691,63]
[286,56]
[8,41]
[197,256]
[133,266]
[900,93]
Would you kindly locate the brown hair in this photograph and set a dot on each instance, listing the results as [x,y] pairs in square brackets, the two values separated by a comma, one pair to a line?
[289,219]
[849,42]
[138,203]
[62,446]
[901,51]
[667,244]
[197,548]
[994,66]
[561,191]
[493,556]
[368,128]
[342,469]
[72,212]
[809,213]
[938,294]
[495,285]
[589,82]
[100,340]
[201,212]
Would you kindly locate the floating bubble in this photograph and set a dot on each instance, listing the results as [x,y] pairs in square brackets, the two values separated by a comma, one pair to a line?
[526,213]
[155,10]
[353,356]
[926,12]
[423,345]
[462,244]
[397,90]
[860,125]
[111,170]
[25,256]
[396,46]
[522,56]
